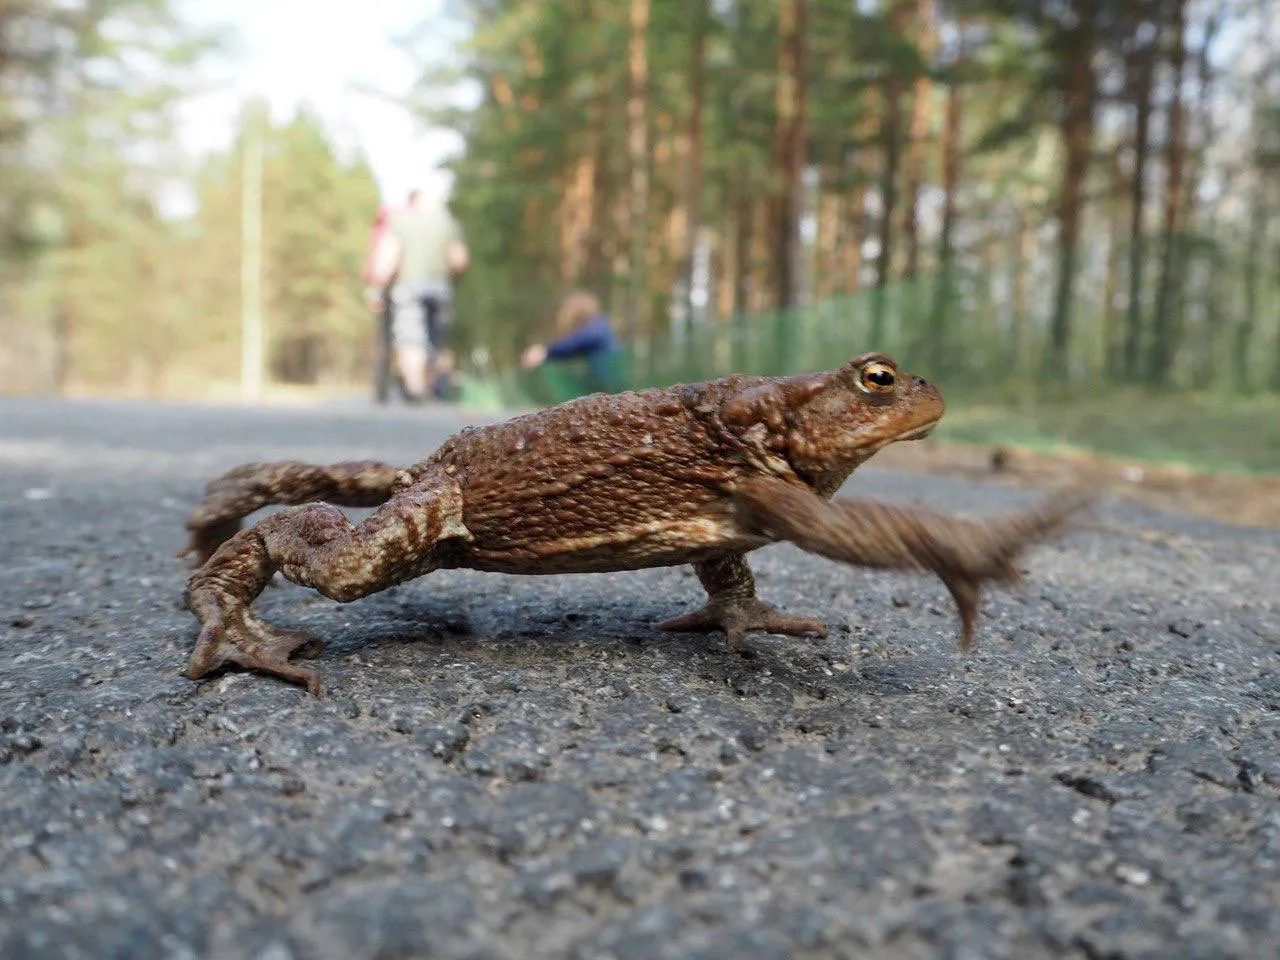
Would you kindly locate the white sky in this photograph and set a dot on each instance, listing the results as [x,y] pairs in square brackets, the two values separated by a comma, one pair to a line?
[318,53]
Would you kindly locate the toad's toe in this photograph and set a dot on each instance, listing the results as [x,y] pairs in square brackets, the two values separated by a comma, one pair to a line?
[739,618]
[251,644]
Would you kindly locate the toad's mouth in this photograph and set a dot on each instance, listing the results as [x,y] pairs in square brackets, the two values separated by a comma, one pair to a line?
[919,433]
[916,433]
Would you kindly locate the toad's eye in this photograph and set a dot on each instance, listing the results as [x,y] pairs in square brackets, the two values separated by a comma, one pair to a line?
[878,378]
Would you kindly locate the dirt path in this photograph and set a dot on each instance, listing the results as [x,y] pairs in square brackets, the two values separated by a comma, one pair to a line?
[1251,501]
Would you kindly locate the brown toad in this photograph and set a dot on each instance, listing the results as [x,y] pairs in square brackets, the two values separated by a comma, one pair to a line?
[698,474]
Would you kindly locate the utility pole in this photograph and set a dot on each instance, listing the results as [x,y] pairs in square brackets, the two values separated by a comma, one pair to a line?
[252,333]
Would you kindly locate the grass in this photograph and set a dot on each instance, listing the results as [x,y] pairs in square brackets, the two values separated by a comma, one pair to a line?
[1205,432]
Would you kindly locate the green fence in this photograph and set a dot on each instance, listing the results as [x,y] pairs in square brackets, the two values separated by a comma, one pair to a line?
[984,332]
[815,337]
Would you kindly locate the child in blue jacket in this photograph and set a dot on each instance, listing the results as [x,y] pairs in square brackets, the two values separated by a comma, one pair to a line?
[586,333]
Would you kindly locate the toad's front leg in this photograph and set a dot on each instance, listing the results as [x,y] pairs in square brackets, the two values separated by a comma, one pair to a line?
[732,605]
[316,546]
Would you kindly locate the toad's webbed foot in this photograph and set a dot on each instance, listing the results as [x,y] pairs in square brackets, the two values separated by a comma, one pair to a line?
[238,637]
[732,606]
[739,617]
[315,546]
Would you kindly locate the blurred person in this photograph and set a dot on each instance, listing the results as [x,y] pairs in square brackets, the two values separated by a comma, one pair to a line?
[585,332]
[376,233]
[377,299]
[418,257]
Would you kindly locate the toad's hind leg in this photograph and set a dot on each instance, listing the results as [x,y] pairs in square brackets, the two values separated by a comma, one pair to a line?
[732,605]
[239,492]
[316,546]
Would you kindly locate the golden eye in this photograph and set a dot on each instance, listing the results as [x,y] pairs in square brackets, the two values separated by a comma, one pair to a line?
[878,377]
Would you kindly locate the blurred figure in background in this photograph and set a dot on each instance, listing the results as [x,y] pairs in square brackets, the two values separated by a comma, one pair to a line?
[375,237]
[377,299]
[419,256]
[585,332]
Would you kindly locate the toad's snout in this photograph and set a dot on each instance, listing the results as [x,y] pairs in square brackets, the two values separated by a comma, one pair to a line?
[925,400]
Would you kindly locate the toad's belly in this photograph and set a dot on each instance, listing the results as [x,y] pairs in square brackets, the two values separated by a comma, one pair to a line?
[659,543]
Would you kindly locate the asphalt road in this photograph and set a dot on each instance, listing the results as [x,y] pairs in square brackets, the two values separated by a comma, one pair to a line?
[522,767]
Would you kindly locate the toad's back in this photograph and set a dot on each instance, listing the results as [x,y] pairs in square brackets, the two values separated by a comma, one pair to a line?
[605,482]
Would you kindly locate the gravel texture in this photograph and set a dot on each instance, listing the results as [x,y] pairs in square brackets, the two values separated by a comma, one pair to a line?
[523,767]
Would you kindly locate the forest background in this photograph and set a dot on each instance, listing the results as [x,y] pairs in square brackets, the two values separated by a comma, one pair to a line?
[1063,210]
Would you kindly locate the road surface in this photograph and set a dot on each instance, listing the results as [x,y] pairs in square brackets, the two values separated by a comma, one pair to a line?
[523,767]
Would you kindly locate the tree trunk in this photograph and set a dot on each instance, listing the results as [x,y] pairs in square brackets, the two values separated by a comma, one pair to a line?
[760,298]
[789,148]
[1275,367]
[1077,139]
[890,135]
[827,243]
[937,346]
[596,257]
[667,207]
[693,170]
[742,241]
[1165,345]
[860,168]
[596,260]
[1141,67]
[575,217]
[917,137]
[851,241]
[1107,359]
[891,145]
[1209,336]
[1248,321]
[638,157]
[1019,352]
